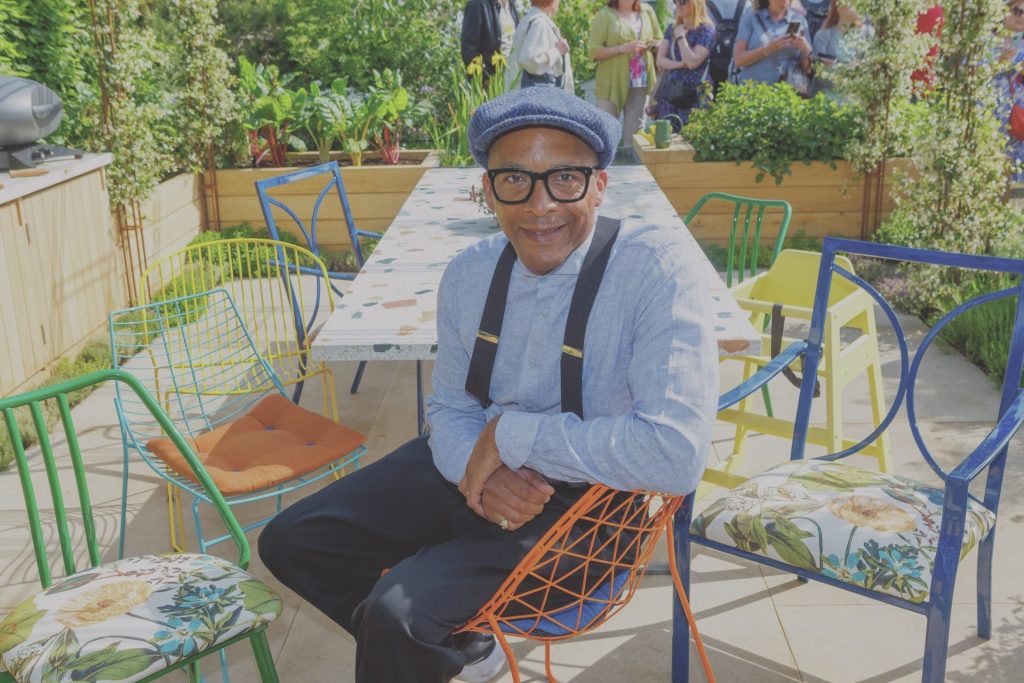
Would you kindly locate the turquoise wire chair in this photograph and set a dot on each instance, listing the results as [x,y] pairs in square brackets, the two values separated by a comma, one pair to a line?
[195,355]
[121,620]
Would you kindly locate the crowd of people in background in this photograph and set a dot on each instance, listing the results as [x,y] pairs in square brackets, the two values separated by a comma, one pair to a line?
[647,70]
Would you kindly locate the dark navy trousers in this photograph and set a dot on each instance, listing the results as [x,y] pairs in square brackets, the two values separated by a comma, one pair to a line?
[444,562]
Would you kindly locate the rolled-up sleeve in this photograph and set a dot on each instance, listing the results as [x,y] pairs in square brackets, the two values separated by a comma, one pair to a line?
[455,417]
[662,443]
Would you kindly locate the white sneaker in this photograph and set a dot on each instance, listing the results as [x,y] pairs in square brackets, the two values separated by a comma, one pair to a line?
[486,668]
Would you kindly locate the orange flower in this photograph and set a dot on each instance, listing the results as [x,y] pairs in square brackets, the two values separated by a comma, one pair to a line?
[880,515]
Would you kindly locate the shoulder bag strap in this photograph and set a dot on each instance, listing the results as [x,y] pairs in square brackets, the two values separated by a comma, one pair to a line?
[740,6]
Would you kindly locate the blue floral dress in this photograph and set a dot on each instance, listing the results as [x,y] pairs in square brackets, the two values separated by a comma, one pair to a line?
[1010,89]
[703,35]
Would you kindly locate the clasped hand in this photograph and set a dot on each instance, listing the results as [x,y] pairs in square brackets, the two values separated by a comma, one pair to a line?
[798,42]
[498,493]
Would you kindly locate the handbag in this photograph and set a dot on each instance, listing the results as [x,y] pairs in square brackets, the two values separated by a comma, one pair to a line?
[529,80]
[798,80]
[1016,123]
[677,93]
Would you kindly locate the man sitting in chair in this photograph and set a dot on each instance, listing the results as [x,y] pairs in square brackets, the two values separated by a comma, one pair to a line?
[403,552]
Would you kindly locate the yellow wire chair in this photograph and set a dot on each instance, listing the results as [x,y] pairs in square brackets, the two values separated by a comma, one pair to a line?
[787,289]
[283,294]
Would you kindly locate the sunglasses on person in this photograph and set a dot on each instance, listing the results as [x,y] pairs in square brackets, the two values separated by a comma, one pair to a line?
[682,3]
[1017,11]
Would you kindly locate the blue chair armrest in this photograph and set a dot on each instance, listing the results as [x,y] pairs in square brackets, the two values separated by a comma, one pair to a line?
[761,377]
[987,451]
[367,233]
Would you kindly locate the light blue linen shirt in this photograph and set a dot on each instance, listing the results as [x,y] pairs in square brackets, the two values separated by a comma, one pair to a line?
[650,367]
[758,29]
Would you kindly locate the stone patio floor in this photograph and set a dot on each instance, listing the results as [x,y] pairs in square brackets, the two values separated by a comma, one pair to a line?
[760,624]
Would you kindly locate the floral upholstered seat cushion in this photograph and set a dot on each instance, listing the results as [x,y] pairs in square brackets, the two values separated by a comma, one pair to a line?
[128,619]
[872,530]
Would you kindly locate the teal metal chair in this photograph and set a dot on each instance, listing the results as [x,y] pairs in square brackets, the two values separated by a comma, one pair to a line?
[134,619]
[742,257]
[194,354]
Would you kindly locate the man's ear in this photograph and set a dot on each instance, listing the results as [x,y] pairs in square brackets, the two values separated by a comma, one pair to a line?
[488,191]
[600,182]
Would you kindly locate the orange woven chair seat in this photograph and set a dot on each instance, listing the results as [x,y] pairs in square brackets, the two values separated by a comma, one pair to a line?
[274,442]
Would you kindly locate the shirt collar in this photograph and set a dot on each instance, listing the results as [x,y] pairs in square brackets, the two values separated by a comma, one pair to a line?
[571,266]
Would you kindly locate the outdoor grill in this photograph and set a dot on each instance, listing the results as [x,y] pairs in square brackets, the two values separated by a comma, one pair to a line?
[29,111]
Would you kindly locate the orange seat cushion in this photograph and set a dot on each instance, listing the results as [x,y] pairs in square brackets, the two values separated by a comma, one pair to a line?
[274,442]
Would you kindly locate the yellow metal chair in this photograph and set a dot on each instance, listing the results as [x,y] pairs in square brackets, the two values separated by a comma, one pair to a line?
[283,295]
[790,282]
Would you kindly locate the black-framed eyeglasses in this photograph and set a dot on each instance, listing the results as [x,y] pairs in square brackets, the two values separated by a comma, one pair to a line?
[564,184]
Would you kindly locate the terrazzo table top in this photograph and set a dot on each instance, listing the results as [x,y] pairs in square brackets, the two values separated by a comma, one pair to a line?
[390,312]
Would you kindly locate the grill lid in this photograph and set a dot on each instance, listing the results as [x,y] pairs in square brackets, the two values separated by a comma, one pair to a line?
[28,111]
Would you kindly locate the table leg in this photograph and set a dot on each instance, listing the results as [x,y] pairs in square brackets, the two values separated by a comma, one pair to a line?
[420,422]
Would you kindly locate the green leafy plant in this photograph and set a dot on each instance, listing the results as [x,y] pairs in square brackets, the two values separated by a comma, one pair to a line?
[322,115]
[772,126]
[953,199]
[392,102]
[269,111]
[10,54]
[95,355]
[205,105]
[469,91]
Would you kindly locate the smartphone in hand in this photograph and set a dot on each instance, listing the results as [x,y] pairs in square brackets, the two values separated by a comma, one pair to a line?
[793,28]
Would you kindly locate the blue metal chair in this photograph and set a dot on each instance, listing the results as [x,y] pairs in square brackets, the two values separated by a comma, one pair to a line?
[331,176]
[881,536]
[194,354]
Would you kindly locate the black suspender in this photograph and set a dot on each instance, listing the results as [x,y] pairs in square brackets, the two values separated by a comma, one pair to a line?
[481,364]
[485,349]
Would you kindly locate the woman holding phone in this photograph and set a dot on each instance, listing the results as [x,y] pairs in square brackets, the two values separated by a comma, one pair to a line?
[771,44]
[684,56]
[622,35]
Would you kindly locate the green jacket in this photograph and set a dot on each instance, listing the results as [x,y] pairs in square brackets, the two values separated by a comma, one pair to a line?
[608,30]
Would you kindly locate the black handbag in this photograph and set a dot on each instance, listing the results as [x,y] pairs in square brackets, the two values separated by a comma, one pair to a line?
[677,93]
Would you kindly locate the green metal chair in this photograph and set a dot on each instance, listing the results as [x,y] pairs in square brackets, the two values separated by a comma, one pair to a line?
[750,214]
[133,619]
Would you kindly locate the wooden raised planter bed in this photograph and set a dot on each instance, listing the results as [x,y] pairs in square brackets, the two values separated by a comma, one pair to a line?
[375,193]
[825,201]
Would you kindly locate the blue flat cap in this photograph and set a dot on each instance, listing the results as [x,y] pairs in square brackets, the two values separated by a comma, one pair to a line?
[544,107]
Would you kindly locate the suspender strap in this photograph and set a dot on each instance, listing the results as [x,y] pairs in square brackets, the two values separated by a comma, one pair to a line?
[583,296]
[485,349]
[481,364]
[778,325]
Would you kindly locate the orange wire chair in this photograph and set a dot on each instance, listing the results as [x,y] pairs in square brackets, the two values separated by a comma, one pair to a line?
[582,571]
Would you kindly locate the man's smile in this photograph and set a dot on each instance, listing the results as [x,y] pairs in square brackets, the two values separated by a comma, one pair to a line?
[543,235]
